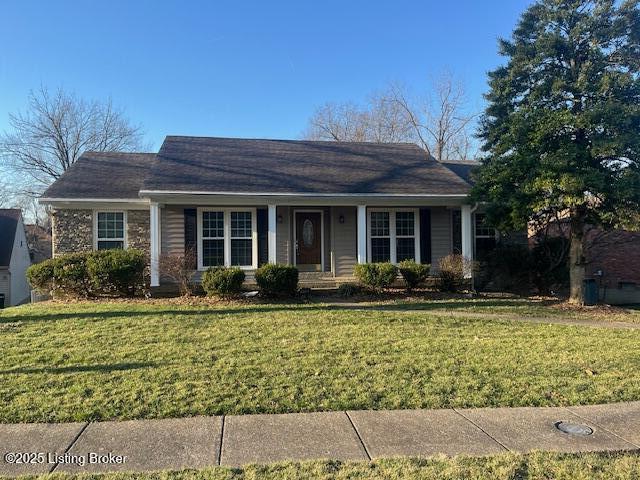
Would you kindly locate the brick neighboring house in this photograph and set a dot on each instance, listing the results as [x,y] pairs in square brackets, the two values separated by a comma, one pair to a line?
[614,259]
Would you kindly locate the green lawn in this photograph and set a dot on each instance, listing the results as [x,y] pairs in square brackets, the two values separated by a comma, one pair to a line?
[117,360]
[535,466]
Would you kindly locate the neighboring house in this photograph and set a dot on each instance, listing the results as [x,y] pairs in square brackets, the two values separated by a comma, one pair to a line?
[39,240]
[322,206]
[14,258]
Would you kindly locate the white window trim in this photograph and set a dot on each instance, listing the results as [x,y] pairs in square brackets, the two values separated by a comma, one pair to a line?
[125,239]
[295,234]
[227,236]
[392,231]
[475,228]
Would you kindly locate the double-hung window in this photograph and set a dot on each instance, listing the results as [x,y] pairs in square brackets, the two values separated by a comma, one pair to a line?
[227,237]
[110,230]
[212,239]
[393,235]
[485,236]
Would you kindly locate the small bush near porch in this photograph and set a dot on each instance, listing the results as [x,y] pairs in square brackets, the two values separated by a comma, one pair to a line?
[155,359]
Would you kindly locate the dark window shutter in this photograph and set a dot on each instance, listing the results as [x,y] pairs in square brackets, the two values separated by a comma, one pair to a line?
[425,235]
[263,239]
[190,233]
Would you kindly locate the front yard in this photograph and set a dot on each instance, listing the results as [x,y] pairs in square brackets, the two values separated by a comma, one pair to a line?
[156,359]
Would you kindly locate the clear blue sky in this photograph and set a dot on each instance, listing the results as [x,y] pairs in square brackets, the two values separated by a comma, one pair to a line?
[243,69]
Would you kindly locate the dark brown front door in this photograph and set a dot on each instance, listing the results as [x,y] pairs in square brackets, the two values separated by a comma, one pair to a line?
[309,239]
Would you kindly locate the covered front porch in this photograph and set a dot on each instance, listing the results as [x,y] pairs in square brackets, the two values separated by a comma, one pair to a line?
[323,237]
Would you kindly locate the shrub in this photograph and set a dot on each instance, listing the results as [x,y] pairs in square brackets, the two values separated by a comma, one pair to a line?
[180,269]
[70,275]
[550,269]
[413,273]
[116,271]
[506,268]
[348,289]
[222,281]
[277,280]
[452,270]
[377,276]
[40,275]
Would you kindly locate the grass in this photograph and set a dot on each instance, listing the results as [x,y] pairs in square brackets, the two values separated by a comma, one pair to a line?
[118,360]
[534,466]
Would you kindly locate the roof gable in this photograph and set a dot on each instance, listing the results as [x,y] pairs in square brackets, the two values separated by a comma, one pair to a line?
[9,219]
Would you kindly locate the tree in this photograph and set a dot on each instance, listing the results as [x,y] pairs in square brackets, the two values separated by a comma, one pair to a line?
[561,130]
[438,124]
[56,129]
[380,120]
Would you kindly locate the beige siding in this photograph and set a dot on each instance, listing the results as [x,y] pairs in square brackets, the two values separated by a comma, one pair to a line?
[283,235]
[172,230]
[344,240]
[440,234]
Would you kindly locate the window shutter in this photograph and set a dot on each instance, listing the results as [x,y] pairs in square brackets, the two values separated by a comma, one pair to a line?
[190,232]
[263,241]
[425,235]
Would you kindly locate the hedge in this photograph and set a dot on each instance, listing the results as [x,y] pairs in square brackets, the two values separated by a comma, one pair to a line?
[277,280]
[222,281]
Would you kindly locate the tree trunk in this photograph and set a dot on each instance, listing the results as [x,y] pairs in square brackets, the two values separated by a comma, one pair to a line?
[576,258]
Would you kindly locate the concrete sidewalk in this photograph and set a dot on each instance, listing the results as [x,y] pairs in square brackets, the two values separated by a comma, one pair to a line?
[146,445]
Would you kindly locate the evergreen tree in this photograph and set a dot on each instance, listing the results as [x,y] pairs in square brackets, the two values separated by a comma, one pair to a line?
[561,132]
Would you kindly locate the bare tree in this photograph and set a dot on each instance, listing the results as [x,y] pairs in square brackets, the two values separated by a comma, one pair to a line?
[55,129]
[439,122]
[381,119]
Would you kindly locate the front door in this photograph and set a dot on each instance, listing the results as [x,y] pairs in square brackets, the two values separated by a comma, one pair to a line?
[309,240]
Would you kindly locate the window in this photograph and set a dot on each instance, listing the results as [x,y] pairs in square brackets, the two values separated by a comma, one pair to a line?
[485,237]
[380,237]
[405,236]
[212,239]
[110,230]
[241,239]
[393,236]
[226,238]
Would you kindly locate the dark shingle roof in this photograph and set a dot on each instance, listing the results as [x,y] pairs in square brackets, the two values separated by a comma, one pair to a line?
[103,175]
[291,166]
[462,168]
[8,223]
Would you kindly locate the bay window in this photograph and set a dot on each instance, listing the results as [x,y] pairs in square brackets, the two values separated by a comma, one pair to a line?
[227,237]
[394,235]
[109,230]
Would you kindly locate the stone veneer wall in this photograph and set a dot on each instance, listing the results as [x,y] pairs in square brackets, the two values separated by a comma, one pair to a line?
[138,231]
[72,231]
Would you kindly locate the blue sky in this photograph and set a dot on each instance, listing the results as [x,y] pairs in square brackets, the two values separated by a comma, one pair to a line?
[242,69]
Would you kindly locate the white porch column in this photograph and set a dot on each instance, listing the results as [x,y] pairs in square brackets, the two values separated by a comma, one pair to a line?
[467,237]
[154,227]
[362,234]
[271,235]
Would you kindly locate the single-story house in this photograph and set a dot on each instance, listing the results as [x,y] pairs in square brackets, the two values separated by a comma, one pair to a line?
[322,206]
[14,258]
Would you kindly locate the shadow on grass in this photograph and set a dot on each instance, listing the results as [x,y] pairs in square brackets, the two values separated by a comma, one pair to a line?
[114,367]
[456,305]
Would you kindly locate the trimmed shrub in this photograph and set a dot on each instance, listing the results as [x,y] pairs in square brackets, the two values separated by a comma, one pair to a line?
[348,289]
[222,280]
[277,280]
[70,275]
[377,276]
[40,275]
[117,271]
[413,273]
